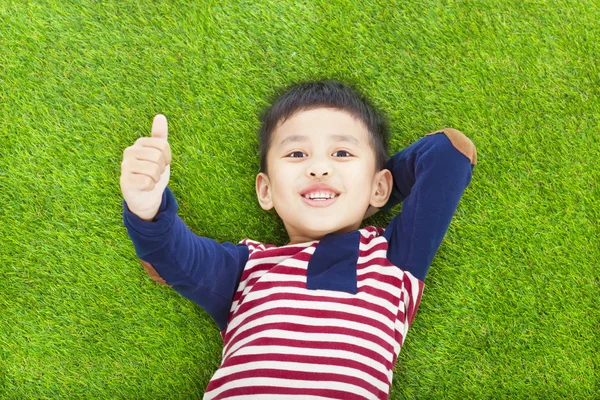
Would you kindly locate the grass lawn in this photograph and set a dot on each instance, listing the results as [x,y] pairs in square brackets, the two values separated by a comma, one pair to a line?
[511,303]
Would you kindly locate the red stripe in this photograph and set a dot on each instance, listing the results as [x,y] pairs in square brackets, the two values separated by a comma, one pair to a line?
[299,328]
[260,286]
[390,280]
[377,261]
[369,251]
[373,291]
[410,302]
[349,301]
[254,268]
[275,269]
[329,393]
[309,360]
[249,288]
[293,375]
[416,302]
[401,317]
[399,337]
[381,293]
[243,286]
[302,312]
[378,310]
[320,345]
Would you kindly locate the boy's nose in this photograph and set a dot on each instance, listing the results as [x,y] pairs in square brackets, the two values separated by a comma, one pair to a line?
[319,169]
[314,174]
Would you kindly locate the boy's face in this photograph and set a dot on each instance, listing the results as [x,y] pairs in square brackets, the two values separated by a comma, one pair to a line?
[325,147]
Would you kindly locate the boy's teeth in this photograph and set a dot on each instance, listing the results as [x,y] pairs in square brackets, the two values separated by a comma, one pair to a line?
[319,195]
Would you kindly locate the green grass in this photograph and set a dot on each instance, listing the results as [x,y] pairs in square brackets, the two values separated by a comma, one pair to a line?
[511,304]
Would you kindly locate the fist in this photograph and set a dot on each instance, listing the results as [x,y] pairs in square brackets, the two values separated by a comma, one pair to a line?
[145,171]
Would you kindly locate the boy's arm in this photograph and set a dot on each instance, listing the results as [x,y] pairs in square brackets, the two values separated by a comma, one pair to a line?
[430,177]
[198,268]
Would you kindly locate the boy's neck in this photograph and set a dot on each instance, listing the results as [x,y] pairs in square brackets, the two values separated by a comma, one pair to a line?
[303,237]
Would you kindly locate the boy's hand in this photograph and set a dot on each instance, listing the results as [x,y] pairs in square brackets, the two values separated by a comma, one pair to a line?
[145,171]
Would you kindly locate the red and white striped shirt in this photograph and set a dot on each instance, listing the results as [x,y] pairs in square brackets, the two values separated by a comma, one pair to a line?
[283,340]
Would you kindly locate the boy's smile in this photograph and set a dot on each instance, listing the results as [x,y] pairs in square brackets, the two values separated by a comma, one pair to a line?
[321,174]
[319,195]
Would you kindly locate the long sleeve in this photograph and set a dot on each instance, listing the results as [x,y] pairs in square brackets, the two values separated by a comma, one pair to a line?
[430,177]
[200,269]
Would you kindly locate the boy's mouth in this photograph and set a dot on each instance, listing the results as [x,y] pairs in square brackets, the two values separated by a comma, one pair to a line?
[320,199]
[319,195]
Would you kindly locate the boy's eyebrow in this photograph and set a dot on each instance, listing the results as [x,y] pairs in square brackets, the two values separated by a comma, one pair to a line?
[333,137]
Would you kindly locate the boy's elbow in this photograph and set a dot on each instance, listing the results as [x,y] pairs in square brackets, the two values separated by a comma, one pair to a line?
[460,142]
[152,272]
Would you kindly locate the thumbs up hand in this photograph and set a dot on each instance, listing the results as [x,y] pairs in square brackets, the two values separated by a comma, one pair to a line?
[145,171]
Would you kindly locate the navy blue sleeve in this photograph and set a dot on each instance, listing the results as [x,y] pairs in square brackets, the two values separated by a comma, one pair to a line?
[430,177]
[200,269]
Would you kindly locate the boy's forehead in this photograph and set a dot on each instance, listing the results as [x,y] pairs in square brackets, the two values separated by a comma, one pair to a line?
[337,124]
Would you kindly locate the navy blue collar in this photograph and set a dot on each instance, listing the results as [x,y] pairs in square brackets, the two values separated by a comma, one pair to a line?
[333,264]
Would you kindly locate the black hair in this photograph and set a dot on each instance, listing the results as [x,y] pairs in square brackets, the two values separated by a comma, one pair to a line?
[324,94]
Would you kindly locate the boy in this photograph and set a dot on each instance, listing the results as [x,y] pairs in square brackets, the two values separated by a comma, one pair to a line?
[324,316]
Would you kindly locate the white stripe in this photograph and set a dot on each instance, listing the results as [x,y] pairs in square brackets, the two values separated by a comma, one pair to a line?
[386,270]
[243,285]
[256,264]
[341,354]
[292,367]
[379,285]
[311,305]
[381,253]
[404,295]
[307,337]
[289,383]
[275,277]
[274,259]
[293,263]
[322,322]
[415,289]
[401,327]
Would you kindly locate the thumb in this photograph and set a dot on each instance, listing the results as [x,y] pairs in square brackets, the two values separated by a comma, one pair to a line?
[160,128]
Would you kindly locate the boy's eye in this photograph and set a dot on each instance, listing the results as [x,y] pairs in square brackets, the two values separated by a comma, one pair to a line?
[344,152]
[296,156]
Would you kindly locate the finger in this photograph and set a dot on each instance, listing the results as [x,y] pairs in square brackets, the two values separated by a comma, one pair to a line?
[147,168]
[154,144]
[160,127]
[141,182]
[147,153]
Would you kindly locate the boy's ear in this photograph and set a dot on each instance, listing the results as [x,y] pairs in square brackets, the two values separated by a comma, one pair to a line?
[382,188]
[263,191]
